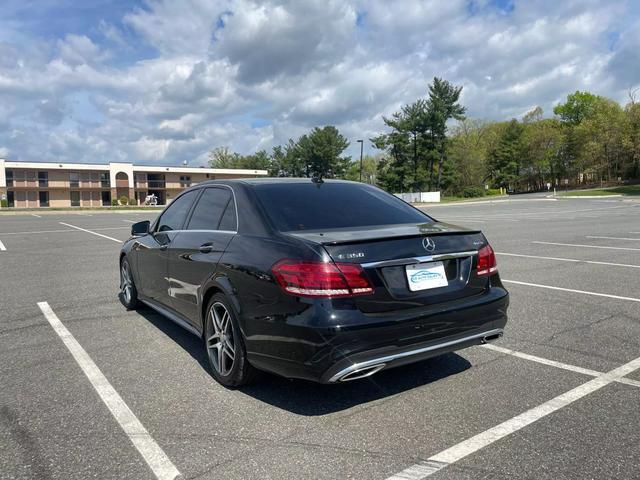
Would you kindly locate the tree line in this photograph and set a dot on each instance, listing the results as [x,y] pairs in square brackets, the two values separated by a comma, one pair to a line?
[430,145]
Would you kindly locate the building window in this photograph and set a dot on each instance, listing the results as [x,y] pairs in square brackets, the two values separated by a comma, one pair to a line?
[9,178]
[74,181]
[140,179]
[75,199]
[105,182]
[44,199]
[185,181]
[31,178]
[43,179]
[155,180]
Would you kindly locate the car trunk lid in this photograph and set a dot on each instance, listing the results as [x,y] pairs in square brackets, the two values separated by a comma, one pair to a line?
[394,256]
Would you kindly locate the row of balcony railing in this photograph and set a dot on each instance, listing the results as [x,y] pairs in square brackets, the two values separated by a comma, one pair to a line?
[91,184]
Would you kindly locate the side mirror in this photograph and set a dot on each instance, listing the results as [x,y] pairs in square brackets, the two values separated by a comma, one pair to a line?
[140,228]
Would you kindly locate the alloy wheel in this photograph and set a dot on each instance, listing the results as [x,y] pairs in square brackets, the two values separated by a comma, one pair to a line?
[220,344]
[126,284]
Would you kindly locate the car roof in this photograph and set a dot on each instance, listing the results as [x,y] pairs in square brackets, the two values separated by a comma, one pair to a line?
[268,181]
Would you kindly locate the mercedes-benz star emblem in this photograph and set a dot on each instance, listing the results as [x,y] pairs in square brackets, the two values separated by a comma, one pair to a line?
[428,244]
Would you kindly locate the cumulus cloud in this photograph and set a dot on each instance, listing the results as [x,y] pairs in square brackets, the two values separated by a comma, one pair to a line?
[165,81]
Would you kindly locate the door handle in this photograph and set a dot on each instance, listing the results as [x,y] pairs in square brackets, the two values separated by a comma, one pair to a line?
[206,247]
[164,246]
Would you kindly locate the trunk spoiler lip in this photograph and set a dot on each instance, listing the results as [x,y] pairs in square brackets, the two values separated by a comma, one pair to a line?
[385,233]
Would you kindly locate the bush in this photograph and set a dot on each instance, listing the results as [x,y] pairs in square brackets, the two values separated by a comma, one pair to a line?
[471,192]
[124,200]
[133,201]
[114,202]
[4,203]
[494,191]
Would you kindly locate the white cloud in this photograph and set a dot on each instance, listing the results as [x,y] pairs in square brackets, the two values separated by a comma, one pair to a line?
[171,80]
[78,49]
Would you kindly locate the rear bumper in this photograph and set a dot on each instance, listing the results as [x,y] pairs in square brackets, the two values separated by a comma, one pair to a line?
[330,345]
[368,363]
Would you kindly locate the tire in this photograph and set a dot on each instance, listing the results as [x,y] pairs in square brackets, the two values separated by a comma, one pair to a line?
[128,291]
[224,344]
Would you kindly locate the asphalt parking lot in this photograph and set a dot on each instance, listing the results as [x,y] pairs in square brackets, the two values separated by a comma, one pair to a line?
[557,397]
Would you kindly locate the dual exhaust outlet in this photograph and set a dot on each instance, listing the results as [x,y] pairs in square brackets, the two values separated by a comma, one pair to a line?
[368,370]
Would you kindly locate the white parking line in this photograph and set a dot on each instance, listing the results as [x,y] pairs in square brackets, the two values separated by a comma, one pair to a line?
[66,230]
[569,260]
[615,238]
[587,246]
[129,221]
[553,363]
[155,457]
[471,445]
[2,247]
[91,232]
[34,215]
[596,294]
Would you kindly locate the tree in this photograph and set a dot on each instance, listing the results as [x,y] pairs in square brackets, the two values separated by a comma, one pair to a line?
[442,106]
[504,160]
[579,106]
[369,169]
[321,150]
[393,171]
[467,149]
[633,115]
[542,143]
[287,162]
[222,157]
[257,161]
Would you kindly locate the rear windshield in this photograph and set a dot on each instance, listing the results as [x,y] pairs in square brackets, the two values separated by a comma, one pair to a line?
[326,206]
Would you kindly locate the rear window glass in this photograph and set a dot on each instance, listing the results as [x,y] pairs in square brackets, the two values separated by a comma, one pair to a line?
[302,206]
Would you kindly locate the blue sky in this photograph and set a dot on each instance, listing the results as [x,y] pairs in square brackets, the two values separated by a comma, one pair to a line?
[158,81]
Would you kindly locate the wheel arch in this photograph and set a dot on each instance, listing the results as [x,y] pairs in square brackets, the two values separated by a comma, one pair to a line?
[219,284]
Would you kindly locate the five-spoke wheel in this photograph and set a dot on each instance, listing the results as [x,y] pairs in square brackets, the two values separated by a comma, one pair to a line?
[128,292]
[225,344]
[220,344]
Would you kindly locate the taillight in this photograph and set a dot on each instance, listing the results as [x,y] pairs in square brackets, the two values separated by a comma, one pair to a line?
[318,279]
[487,261]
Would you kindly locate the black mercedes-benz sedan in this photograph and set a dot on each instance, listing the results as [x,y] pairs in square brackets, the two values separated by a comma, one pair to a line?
[321,280]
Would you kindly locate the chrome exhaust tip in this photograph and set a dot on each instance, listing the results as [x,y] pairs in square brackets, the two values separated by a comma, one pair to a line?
[492,337]
[362,372]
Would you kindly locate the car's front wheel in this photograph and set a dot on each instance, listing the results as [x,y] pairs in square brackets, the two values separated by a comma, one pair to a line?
[225,347]
[128,292]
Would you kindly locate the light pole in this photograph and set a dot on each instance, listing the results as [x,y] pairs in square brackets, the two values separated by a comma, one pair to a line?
[361,142]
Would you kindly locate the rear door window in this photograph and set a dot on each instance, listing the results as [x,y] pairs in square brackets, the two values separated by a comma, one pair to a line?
[310,206]
[211,209]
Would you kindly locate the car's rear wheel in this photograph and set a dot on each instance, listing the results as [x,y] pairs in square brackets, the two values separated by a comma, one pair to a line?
[128,292]
[225,346]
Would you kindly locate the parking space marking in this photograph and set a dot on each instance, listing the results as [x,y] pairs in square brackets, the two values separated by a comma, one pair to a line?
[91,232]
[471,445]
[544,361]
[592,262]
[2,247]
[34,215]
[129,221]
[553,363]
[615,238]
[152,453]
[587,246]
[571,290]
[66,230]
